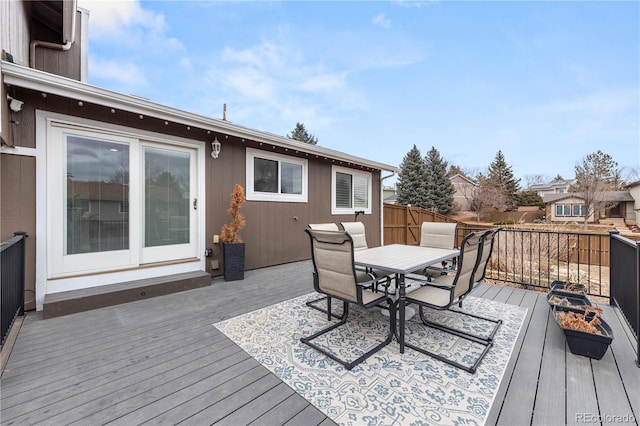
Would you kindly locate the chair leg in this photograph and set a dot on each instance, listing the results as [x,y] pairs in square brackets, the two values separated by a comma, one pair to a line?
[312,304]
[487,342]
[350,364]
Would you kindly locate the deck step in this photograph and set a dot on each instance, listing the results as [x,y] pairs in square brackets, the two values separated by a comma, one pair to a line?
[70,302]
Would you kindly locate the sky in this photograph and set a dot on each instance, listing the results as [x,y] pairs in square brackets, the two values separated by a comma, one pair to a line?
[544,82]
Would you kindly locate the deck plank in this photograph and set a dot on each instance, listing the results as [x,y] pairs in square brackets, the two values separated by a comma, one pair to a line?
[550,404]
[519,401]
[161,361]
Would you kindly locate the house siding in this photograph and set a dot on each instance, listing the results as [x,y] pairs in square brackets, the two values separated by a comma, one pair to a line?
[274,231]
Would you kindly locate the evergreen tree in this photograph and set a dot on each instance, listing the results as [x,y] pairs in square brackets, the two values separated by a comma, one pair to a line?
[410,185]
[438,188]
[501,176]
[299,133]
[530,198]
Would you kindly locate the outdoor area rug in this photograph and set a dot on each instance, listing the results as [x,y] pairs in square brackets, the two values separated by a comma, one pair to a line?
[389,387]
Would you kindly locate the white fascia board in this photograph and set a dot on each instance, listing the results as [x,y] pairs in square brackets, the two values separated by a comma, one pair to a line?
[29,78]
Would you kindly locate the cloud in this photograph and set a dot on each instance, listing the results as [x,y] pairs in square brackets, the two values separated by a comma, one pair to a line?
[125,73]
[128,25]
[381,21]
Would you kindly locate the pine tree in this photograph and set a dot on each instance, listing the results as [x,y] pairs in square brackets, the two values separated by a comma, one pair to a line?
[438,188]
[299,133]
[501,176]
[410,184]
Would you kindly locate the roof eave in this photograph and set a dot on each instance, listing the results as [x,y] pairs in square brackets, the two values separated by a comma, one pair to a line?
[29,78]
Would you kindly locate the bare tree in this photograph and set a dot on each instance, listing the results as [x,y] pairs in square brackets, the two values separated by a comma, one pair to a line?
[485,195]
[596,174]
[535,180]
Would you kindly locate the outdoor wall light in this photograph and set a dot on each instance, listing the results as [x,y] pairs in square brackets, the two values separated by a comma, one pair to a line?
[215,148]
[14,104]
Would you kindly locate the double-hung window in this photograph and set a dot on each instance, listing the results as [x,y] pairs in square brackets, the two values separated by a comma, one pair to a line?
[275,177]
[350,191]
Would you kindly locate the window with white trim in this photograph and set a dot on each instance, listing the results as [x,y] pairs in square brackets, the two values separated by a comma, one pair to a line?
[563,209]
[350,191]
[275,177]
[578,210]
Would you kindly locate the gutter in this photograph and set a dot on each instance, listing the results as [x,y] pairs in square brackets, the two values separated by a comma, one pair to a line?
[68,33]
[382,178]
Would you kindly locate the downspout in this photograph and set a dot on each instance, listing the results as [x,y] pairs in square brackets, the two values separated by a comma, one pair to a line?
[382,178]
[68,37]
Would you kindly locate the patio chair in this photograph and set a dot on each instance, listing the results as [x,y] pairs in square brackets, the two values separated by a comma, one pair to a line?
[357,232]
[488,238]
[334,274]
[445,291]
[330,226]
[439,235]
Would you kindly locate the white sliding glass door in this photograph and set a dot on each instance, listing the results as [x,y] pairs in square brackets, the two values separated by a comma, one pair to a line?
[117,202]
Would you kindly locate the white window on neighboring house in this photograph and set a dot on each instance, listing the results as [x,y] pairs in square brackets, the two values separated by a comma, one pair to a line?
[578,210]
[563,209]
[118,200]
[275,177]
[350,191]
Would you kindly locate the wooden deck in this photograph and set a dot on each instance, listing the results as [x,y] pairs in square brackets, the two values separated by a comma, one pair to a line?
[159,361]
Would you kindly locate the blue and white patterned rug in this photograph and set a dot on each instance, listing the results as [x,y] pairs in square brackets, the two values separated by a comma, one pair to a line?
[389,387]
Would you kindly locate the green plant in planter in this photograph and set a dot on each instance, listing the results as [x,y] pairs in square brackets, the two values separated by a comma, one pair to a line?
[233,246]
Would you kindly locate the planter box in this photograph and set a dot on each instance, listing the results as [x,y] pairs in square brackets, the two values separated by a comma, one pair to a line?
[233,261]
[562,287]
[587,344]
[571,302]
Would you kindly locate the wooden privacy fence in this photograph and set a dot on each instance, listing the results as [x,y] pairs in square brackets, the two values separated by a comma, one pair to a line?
[402,223]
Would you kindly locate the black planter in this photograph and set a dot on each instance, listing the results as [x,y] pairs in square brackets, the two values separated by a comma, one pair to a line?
[587,344]
[565,302]
[563,287]
[233,261]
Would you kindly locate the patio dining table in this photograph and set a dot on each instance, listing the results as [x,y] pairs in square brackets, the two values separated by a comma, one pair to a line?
[402,260]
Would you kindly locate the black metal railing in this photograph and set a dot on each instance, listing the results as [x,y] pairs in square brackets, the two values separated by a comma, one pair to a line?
[537,258]
[12,282]
[625,281]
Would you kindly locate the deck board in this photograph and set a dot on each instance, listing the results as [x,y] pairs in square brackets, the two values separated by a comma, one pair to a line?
[160,361]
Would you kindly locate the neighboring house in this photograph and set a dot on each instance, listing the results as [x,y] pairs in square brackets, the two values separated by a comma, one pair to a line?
[554,187]
[634,214]
[464,189]
[113,188]
[389,194]
[570,207]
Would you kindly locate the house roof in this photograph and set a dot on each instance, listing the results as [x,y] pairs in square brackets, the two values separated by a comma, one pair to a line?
[632,184]
[30,78]
[620,196]
[459,176]
[550,185]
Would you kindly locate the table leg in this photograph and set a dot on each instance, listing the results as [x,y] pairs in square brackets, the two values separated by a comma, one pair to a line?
[401,303]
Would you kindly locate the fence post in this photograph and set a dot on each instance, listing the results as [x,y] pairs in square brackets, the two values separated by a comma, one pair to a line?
[22,269]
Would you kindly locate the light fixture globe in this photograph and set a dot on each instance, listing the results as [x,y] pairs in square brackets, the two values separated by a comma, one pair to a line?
[215,148]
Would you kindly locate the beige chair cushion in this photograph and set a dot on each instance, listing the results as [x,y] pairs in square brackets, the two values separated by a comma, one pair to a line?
[324,226]
[357,232]
[438,235]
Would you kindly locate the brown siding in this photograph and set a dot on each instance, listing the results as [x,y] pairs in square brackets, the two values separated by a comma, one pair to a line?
[18,210]
[274,231]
